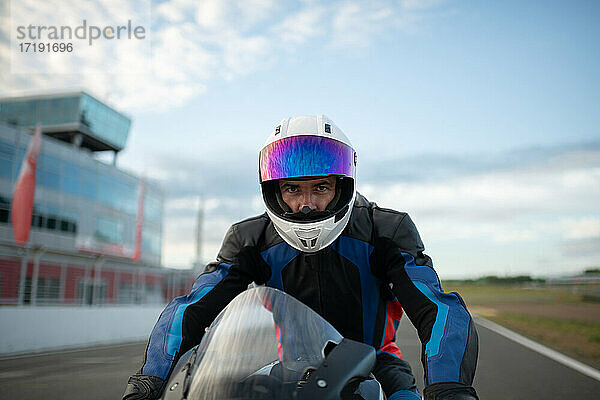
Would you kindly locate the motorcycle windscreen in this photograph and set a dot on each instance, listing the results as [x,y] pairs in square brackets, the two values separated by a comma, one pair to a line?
[263,342]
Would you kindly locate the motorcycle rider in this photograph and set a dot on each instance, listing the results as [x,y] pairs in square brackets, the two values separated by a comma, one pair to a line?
[356,264]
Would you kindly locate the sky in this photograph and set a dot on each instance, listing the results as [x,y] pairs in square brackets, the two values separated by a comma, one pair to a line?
[478,118]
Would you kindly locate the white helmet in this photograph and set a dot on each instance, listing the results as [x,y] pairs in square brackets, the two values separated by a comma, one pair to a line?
[308,147]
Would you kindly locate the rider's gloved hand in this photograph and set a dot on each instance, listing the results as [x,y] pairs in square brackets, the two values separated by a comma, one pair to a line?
[449,391]
[143,387]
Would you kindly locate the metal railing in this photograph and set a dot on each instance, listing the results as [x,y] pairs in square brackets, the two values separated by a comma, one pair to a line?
[40,276]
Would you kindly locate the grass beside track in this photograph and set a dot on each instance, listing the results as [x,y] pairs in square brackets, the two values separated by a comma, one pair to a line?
[556,317]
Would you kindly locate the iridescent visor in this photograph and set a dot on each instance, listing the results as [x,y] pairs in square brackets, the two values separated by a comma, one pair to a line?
[299,156]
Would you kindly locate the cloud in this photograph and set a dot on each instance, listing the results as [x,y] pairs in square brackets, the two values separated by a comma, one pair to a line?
[505,212]
[555,183]
[421,4]
[356,22]
[582,228]
[519,209]
[188,176]
[302,25]
[193,43]
[431,167]
[583,248]
[243,55]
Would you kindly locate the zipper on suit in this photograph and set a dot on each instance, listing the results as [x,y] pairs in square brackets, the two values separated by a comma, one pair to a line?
[313,262]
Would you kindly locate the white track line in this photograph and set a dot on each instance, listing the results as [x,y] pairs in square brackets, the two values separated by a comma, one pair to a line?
[552,354]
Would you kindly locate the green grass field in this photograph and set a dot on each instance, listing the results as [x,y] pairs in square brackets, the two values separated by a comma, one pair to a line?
[557,317]
[485,294]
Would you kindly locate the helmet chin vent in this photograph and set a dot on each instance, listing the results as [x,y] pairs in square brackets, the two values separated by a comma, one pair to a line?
[308,238]
[313,243]
[307,234]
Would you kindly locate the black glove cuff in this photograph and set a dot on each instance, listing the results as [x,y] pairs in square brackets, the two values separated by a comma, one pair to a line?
[143,387]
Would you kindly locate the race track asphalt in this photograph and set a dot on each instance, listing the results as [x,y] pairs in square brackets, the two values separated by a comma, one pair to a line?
[90,374]
[506,371]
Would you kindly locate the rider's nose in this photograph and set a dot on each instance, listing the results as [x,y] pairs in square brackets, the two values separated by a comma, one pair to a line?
[307,201]
[306,209]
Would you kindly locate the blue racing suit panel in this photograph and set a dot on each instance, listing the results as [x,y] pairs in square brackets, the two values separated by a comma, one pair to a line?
[444,325]
[166,336]
[181,324]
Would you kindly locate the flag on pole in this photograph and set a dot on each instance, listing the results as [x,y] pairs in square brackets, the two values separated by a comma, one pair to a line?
[21,207]
[139,223]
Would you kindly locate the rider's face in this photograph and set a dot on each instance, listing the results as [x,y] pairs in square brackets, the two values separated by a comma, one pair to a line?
[316,193]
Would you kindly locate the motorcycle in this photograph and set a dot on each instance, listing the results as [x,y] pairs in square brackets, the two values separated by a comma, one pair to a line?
[266,345]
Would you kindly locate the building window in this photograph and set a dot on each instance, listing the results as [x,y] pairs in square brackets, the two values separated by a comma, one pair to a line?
[54,219]
[7,154]
[151,241]
[108,230]
[48,171]
[51,222]
[70,178]
[153,207]
[38,220]
[49,179]
[4,210]
[88,183]
[44,217]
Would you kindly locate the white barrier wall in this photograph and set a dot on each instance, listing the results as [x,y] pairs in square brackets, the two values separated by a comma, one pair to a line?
[36,329]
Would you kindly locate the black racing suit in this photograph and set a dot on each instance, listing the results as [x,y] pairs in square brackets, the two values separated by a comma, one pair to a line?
[361,284]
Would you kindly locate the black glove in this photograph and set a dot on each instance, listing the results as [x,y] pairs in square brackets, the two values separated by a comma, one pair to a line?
[143,387]
[449,391]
